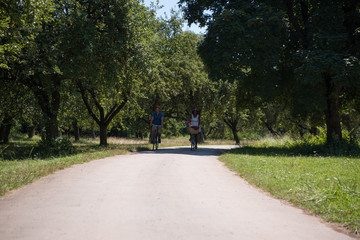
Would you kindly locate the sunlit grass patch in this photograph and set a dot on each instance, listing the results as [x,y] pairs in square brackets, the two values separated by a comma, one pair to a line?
[328,186]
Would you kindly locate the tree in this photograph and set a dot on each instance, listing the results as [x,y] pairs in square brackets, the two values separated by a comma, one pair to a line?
[74,114]
[178,78]
[103,56]
[22,29]
[292,46]
[227,108]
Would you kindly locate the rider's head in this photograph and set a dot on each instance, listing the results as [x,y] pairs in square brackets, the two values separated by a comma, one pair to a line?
[157,109]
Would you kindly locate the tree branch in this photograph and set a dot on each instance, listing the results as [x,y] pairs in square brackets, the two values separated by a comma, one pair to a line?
[84,98]
[294,21]
[97,104]
[109,116]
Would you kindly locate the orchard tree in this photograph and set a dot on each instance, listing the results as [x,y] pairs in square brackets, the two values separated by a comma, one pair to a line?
[26,56]
[308,49]
[74,114]
[227,108]
[178,78]
[103,55]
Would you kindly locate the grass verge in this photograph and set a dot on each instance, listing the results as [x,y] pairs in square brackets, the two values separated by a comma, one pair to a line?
[328,186]
[17,169]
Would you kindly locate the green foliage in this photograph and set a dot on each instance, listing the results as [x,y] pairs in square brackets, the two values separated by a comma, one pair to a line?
[176,79]
[105,54]
[276,65]
[301,54]
[318,145]
[106,48]
[53,147]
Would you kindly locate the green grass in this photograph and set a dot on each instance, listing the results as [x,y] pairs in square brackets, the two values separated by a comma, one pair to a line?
[327,185]
[21,163]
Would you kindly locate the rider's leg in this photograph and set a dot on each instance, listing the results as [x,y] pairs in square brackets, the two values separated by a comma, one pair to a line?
[159,134]
[196,140]
[152,134]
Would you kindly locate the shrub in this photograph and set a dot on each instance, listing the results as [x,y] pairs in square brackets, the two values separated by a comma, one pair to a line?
[55,147]
[317,145]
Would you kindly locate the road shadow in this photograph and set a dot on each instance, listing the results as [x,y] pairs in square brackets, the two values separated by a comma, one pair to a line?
[201,151]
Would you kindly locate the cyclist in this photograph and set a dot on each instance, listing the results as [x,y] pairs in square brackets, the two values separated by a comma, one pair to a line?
[195,123]
[157,120]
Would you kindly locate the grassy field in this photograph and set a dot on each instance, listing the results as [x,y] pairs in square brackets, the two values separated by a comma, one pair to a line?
[328,186]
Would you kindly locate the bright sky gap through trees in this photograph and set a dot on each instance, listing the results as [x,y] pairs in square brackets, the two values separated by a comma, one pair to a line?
[173,4]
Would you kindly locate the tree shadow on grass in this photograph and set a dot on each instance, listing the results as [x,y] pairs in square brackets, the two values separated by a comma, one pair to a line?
[16,151]
[321,150]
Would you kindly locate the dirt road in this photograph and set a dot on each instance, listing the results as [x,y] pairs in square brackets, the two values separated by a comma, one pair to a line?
[166,195]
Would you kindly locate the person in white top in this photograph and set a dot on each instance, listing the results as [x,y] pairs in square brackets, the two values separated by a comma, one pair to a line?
[195,123]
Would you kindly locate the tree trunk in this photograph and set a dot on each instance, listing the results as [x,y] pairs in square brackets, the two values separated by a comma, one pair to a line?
[51,127]
[232,124]
[270,128]
[76,130]
[236,137]
[2,132]
[139,135]
[103,119]
[5,129]
[49,99]
[333,125]
[103,136]
[7,133]
[31,131]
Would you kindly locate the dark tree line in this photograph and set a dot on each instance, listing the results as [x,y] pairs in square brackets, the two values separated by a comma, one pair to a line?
[284,67]
[301,54]
[93,63]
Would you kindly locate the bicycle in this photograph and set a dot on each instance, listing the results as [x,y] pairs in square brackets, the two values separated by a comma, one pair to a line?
[193,143]
[193,134]
[154,139]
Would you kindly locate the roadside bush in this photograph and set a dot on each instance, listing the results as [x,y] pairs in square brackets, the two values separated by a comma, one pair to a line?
[317,145]
[55,147]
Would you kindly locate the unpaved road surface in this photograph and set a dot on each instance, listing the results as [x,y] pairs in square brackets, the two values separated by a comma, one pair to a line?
[165,195]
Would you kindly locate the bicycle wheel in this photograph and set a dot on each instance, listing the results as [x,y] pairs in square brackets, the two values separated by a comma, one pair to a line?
[192,140]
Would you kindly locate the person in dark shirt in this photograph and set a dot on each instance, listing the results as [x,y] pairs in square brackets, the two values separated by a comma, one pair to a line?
[157,120]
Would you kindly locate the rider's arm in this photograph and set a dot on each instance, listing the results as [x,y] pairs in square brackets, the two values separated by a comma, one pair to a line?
[151,120]
[162,121]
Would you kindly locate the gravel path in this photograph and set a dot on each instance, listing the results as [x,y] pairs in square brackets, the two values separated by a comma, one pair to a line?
[170,194]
